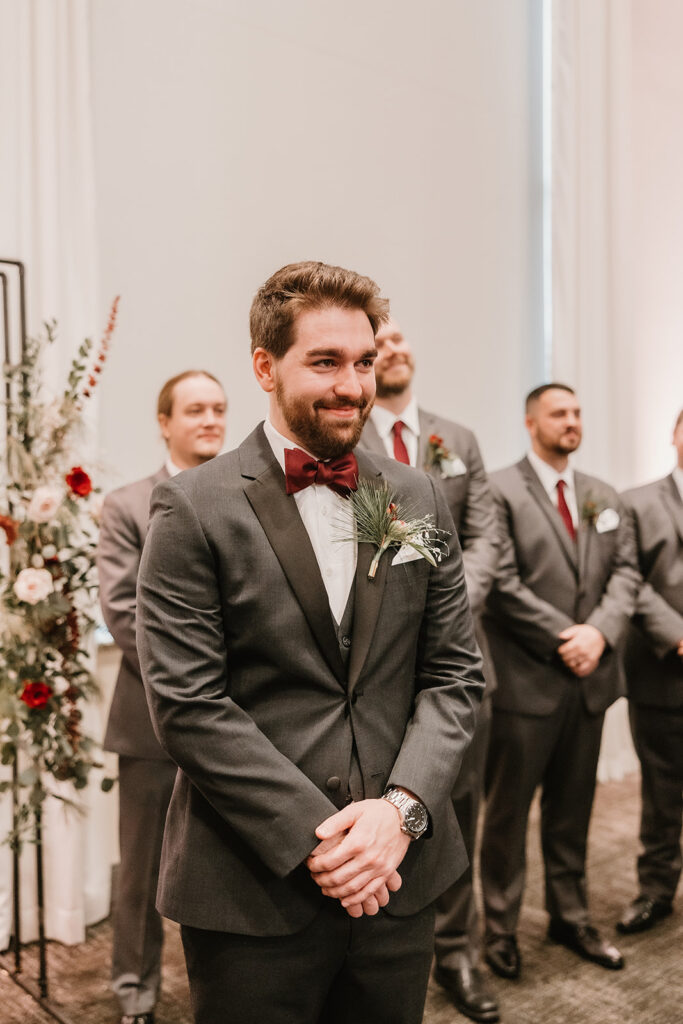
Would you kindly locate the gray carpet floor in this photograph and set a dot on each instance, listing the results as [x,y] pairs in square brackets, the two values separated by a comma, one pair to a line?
[556,987]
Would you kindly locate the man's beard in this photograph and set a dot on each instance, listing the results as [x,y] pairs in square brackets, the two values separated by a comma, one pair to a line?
[385,390]
[324,440]
[388,387]
[565,446]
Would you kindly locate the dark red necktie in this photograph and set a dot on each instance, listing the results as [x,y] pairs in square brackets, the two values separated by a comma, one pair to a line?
[563,509]
[301,470]
[400,450]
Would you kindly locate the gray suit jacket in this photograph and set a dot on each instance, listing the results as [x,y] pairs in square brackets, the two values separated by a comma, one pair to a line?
[546,582]
[251,699]
[125,517]
[654,670]
[471,504]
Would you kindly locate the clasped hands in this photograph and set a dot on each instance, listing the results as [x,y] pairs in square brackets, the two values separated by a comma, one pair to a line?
[360,849]
[582,648]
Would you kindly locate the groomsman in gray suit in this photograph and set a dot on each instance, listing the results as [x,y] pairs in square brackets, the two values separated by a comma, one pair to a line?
[317,693]
[654,671]
[563,597]
[398,427]
[191,413]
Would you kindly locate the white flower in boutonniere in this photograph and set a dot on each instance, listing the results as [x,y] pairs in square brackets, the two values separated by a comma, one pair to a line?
[380,520]
[598,514]
[439,457]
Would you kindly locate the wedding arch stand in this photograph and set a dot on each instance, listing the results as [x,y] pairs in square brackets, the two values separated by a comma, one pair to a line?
[13,283]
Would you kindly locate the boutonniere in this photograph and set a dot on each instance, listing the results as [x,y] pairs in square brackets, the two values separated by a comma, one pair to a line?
[440,457]
[599,515]
[380,520]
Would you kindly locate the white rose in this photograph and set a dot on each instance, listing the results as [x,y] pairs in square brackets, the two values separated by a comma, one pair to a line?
[44,504]
[37,561]
[33,585]
[49,551]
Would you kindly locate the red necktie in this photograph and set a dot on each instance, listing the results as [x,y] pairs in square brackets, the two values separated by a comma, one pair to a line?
[301,470]
[400,450]
[563,509]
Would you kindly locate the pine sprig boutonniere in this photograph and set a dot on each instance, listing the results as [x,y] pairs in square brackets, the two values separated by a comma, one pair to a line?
[382,521]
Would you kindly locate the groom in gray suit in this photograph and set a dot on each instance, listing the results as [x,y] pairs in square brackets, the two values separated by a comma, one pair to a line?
[449,452]
[191,415]
[318,710]
[654,671]
[564,593]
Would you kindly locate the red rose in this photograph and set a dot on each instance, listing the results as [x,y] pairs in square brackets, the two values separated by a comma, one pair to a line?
[435,439]
[36,695]
[11,528]
[79,482]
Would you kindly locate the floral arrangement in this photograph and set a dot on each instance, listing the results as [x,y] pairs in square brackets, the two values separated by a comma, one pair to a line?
[442,458]
[591,510]
[381,521]
[49,512]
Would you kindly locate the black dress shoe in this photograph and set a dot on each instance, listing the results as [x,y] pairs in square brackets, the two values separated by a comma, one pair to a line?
[138,1018]
[502,956]
[466,989]
[643,914]
[587,942]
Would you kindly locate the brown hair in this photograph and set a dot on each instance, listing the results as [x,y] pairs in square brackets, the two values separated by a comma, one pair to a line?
[165,399]
[309,285]
[534,395]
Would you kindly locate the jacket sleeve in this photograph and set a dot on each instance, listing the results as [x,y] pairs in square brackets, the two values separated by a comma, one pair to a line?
[479,534]
[535,622]
[260,793]
[118,560]
[614,610]
[448,679]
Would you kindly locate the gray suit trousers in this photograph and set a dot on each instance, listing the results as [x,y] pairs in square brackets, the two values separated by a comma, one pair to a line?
[559,752]
[456,942]
[145,788]
[658,739]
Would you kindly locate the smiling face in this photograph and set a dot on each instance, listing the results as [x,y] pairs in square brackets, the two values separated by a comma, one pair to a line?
[322,389]
[395,365]
[195,428]
[554,424]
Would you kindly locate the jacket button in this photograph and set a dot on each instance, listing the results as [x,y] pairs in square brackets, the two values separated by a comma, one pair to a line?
[346,641]
[333,783]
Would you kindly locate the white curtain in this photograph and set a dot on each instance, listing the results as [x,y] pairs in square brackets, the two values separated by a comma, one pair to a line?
[47,220]
[591,252]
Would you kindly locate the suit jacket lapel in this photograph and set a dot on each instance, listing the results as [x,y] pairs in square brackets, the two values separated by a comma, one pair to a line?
[370,438]
[550,511]
[279,517]
[584,530]
[427,428]
[368,593]
[672,500]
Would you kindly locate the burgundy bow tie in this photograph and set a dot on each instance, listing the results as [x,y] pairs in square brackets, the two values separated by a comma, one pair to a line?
[301,470]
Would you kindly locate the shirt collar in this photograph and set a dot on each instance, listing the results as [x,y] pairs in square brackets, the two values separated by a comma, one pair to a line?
[173,470]
[278,442]
[384,419]
[678,479]
[548,475]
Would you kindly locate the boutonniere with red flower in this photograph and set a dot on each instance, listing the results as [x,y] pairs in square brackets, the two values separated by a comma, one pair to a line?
[380,520]
[441,458]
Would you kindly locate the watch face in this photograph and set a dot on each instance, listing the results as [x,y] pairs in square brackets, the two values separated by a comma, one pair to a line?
[415,818]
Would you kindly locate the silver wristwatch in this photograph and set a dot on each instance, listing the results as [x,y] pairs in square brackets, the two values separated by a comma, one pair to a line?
[414,817]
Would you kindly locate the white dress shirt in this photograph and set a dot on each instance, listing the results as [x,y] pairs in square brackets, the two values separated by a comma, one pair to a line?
[678,480]
[384,422]
[549,477]
[328,520]
[173,470]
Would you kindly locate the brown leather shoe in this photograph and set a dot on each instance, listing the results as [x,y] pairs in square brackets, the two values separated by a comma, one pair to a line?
[642,914]
[587,942]
[502,956]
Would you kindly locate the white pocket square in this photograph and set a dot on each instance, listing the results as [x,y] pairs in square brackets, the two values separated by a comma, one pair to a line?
[607,520]
[405,554]
[453,467]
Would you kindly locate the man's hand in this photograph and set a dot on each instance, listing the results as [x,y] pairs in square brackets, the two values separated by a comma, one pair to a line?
[582,649]
[361,847]
[680,649]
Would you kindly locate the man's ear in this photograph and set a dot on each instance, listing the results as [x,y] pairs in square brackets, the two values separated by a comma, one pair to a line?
[163,425]
[264,363]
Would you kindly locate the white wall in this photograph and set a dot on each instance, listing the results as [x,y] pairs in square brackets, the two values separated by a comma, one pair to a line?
[393,138]
[657,101]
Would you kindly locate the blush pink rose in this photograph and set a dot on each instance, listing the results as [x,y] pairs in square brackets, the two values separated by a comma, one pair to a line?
[33,585]
[44,504]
